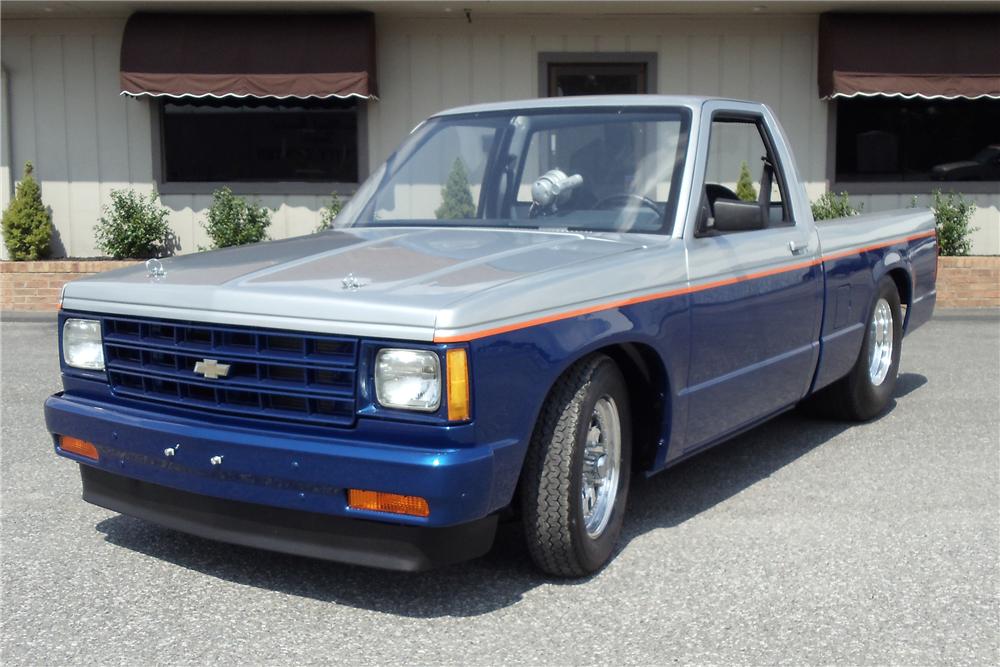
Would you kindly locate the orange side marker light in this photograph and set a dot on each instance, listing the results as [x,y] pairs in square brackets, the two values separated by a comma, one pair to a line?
[376,501]
[79,447]
[458,385]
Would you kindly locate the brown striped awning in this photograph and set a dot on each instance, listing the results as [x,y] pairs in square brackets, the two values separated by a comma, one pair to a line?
[249,55]
[933,56]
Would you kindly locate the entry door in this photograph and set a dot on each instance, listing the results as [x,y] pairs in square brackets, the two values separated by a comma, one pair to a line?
[756,304]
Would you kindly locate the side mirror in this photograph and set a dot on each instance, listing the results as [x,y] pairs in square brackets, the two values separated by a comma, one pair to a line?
[738,216]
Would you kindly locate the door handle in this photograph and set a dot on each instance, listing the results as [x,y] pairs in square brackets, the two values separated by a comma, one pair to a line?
[797,248]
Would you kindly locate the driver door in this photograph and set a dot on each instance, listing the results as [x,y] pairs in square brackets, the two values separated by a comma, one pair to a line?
[756,308]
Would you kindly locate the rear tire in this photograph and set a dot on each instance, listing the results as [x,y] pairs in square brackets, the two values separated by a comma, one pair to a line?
[864,392]
[576,475]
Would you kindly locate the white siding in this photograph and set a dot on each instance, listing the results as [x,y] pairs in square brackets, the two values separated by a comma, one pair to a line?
[5,172]
[66,115]
[85,140]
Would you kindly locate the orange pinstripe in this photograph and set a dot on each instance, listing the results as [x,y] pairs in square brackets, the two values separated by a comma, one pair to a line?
[565,315]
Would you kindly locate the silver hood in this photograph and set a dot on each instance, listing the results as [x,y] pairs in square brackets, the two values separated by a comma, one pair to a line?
[382,282]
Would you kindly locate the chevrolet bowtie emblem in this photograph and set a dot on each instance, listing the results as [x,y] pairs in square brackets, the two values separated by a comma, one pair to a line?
[211,369]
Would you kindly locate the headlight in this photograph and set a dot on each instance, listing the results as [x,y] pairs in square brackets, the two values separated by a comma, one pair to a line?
[408,379]
[82,344]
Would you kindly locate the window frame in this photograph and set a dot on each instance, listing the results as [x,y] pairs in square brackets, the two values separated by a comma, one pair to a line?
[888,187]
[166,187]
[789,220]
[547,58]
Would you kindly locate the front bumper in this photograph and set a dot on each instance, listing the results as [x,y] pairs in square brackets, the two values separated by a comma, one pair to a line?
[310,534]
[264,472]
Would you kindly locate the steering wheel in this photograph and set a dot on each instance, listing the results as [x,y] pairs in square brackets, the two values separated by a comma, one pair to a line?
[613,201]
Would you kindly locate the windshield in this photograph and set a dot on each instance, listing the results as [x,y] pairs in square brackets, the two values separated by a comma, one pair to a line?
[607,170]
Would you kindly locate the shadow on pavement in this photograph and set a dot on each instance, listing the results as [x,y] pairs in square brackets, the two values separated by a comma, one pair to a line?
[500,578]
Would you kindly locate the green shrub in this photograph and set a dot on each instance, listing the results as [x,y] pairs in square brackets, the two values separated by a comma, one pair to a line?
[952,214]
[233,220]
[456,197]
[27,224]
[744,186]
[133,226]
[832,205]
[329,212]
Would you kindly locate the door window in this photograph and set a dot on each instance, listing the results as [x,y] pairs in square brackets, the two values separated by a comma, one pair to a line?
[740,163]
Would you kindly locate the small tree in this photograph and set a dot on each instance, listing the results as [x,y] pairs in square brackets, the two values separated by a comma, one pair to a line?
[832,205]
[329,212]
[952,214]
[456,197]
[133,226]
[233,220]
[744,186]
[27,224]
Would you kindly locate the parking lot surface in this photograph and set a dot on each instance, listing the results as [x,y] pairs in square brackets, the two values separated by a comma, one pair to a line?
[801,542]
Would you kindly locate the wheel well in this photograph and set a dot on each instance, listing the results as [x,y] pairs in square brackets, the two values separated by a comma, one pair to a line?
[646,379]
[905,290]
[902,280]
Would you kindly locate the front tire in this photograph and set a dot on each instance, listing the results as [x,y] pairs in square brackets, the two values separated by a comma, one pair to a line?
[577,471]
[866,390]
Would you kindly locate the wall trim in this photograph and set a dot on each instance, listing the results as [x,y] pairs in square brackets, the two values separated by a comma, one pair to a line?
[915,187]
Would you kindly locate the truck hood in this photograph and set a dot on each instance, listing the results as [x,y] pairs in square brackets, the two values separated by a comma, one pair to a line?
[384,282]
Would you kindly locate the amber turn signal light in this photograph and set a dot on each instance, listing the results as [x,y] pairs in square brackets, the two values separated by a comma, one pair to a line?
[376,501]
[458,385]
[79,447]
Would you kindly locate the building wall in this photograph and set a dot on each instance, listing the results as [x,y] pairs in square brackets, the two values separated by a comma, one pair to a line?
[65,113]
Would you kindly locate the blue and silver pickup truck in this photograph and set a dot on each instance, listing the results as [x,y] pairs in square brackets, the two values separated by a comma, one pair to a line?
[525,306]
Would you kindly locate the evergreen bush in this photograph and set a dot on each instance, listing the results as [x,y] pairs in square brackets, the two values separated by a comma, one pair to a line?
[133,226]
[833,205]
[27,224]
[952,214]
[234,221]
[456,197]
[328,213]
[744,186]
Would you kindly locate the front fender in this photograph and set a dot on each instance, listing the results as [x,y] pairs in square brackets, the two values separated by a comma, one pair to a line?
[515,371]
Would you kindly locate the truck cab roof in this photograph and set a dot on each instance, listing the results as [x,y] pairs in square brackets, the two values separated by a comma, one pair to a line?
[690,101]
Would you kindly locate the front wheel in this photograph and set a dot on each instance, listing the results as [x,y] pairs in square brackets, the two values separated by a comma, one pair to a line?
[576,475]
[866,390]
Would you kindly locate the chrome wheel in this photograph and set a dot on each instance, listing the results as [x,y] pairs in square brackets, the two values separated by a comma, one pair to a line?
[601,466]
[880,343]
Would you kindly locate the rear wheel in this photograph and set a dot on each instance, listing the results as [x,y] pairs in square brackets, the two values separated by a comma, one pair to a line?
[576,475]
[865,391]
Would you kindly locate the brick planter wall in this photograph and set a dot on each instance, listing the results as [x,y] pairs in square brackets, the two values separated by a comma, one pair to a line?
[36,285]
[963,282]
[968,282]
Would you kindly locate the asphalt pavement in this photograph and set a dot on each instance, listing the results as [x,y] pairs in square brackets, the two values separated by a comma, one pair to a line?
[801,542]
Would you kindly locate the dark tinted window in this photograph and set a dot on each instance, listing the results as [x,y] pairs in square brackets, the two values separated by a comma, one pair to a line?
[260,140]
[891,139]
[596,79]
